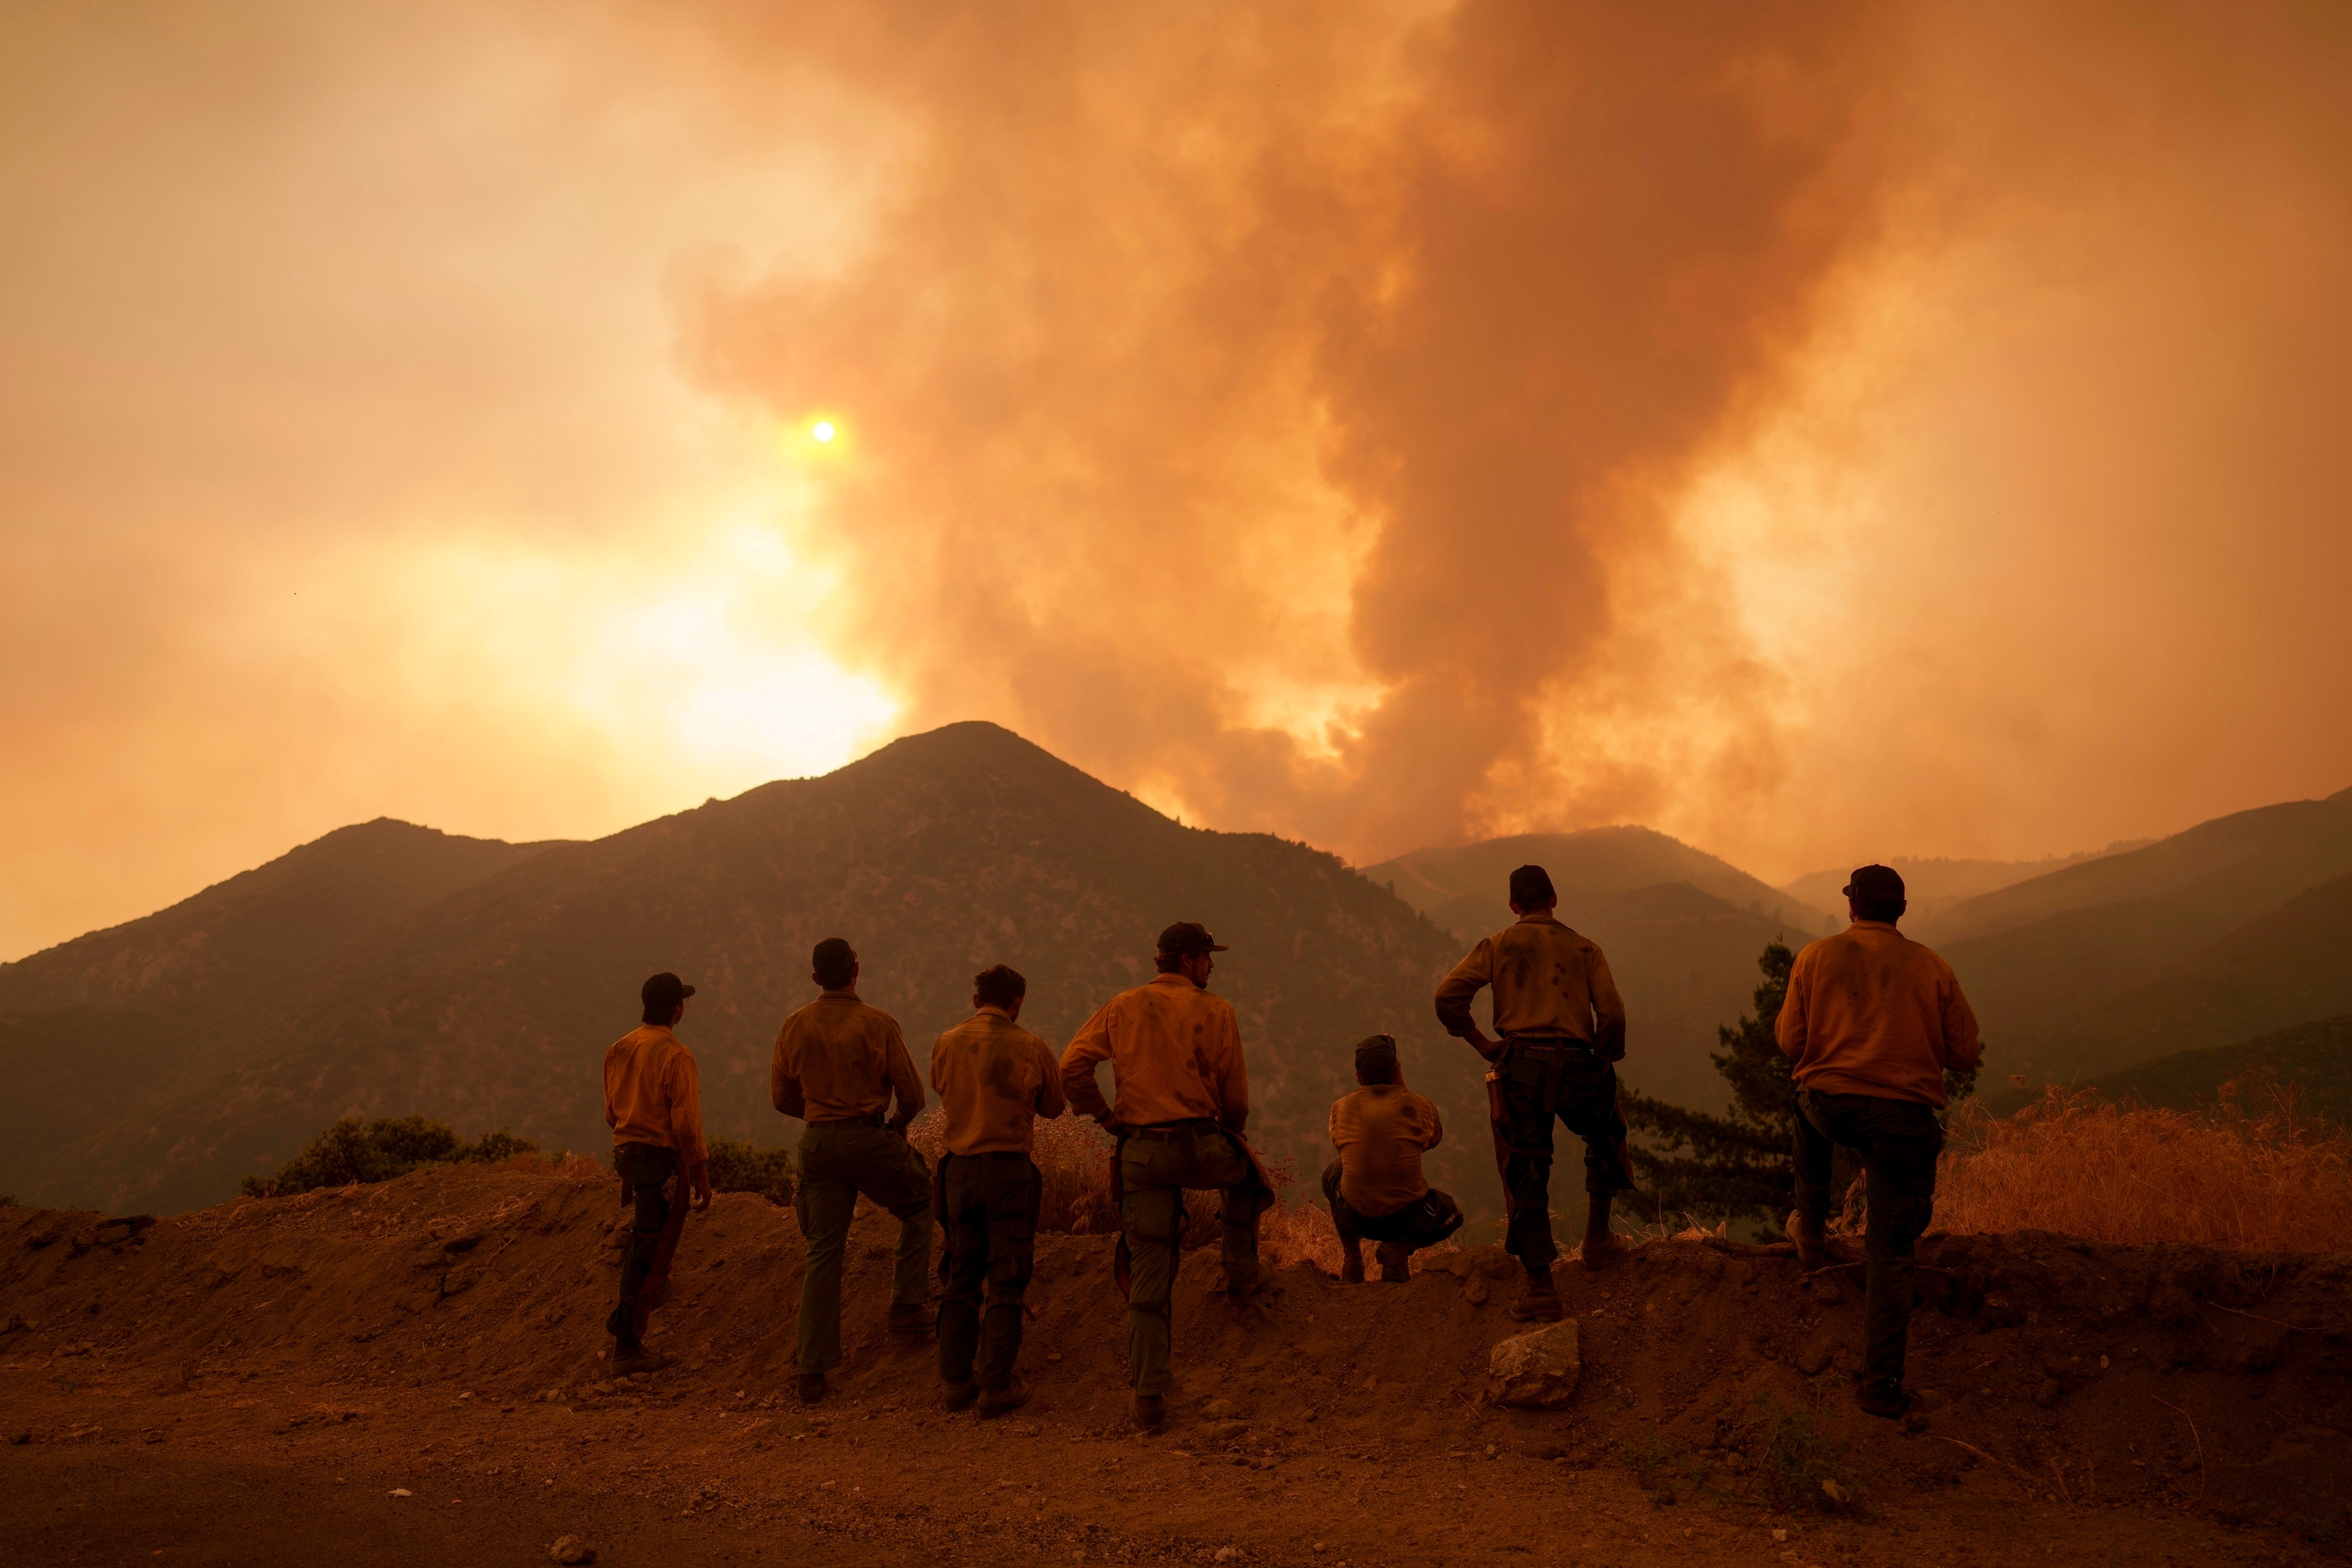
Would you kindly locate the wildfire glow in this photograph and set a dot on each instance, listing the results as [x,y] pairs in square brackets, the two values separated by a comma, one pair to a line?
[822,430]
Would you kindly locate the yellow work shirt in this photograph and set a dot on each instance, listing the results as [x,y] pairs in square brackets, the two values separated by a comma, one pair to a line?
[1175,1055]
[1549,980]
[995,1078]
[1870,1011]
[838,1059]
[653,1094]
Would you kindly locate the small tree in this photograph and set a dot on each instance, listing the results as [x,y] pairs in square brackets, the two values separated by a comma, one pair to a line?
[1736,1166]
[1740,1166]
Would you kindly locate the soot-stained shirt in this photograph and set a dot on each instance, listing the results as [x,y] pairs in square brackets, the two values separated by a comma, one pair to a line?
[1381,1131]
[995,1078]
[1549,980]
[838,1059]
[1175,1055]
[653,1094]
[1869,1011]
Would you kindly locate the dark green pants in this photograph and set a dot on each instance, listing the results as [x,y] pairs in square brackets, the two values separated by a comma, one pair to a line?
[646,1170]
[1541,1085]
[1426,1221]
[840,1163]
[1153,1173]
[988,1217]
[1898,1141]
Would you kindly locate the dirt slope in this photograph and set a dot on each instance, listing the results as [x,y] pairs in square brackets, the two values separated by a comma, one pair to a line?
[254,1381]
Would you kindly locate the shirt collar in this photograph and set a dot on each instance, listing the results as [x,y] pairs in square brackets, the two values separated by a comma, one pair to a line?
[991,1010]
[1873,925]
[1174,977]
[1540,916]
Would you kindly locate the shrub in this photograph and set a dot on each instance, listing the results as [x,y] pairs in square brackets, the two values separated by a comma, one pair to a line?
[739,1166]
[2266,1179]
[1798,1465]
[354,1150]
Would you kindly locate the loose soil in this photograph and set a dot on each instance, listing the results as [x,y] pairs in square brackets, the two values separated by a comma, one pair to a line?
[263,1381]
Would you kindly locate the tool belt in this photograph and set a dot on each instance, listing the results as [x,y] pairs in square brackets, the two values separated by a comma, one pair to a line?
[1171,1132]
[873,1119]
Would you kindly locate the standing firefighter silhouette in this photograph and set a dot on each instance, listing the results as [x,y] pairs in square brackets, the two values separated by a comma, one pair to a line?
[1562,1026]
[994,1080]
[653,1103]
[838,1066]
[1872,1021]
[1175,1054]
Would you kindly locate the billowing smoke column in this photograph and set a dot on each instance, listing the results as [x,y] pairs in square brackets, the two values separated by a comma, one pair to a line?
[1284,414]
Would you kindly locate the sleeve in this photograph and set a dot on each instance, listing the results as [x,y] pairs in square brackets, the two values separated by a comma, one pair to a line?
[1962,1048]
[1789,1028]
[1436,1125]
[1051,1102]
[904,1082]
[1089,1046]
[1453,993]
[938,1050]
[1233,1073]
[1608,1009]
[1335,1124]
[784,1074]
[612,1116]
[685,1110]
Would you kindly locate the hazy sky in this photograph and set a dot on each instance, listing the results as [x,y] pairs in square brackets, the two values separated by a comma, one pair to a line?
[1822,432]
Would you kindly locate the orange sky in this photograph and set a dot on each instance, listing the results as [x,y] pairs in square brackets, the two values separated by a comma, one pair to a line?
[1826,434]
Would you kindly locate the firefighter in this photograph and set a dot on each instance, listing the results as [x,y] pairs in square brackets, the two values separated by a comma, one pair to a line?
[1562,1029]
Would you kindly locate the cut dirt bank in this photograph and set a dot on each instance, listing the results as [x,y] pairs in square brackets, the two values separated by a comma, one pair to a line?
[256,1381]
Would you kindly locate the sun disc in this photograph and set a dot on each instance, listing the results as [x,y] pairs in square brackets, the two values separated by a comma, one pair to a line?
[822,430]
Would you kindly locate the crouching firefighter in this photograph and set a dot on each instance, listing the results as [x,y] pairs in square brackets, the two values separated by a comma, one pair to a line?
[1562,1029]
[1175,1053]
[653,1103]
[1375,1187]
[995,1078]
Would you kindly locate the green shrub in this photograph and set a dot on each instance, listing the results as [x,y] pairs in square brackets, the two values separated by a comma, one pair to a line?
[736,1166]
[1799,1465]
[355,1151]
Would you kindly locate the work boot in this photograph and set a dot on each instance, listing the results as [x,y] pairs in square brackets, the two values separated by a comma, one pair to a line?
[1812,1245]
[1600,1248]
[629,1363]
[911,1322]
[1884,1396]
[1351,1266]
[997,1401]
[1396,1263]
[958,1395]
[1151,1410]
[812,1387]
[1538,1301]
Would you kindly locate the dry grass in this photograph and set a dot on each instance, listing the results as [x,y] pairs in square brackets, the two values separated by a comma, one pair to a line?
[2249,1172]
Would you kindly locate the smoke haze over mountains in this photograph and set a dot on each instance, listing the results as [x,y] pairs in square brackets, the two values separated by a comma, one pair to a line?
[1822,433]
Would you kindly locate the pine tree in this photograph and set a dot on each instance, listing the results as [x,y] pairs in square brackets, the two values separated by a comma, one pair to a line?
[1738,1166]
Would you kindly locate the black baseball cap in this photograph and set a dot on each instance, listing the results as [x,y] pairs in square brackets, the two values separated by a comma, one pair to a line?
[1189,936]
[1874,885]
[663,992]
[1376,1054]
[1531,887]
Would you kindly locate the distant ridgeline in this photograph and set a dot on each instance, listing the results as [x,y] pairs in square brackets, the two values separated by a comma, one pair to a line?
[387,971]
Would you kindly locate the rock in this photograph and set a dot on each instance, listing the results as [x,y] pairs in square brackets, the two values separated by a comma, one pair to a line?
[1228,1554]
[570,1549]
[81,1242]
[1826,1292]
[601,1387]
[402,1491]
[112,1235]
[1836,1493]
[1536,1371]
[1816,1357]
[1220,1410]
[1475,1293]
[2050,1393]
[1221,1432]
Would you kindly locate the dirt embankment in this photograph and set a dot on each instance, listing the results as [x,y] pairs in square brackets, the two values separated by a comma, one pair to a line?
[438,1337]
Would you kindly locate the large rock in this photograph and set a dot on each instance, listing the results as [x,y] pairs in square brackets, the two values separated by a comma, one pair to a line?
[1537,1371]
